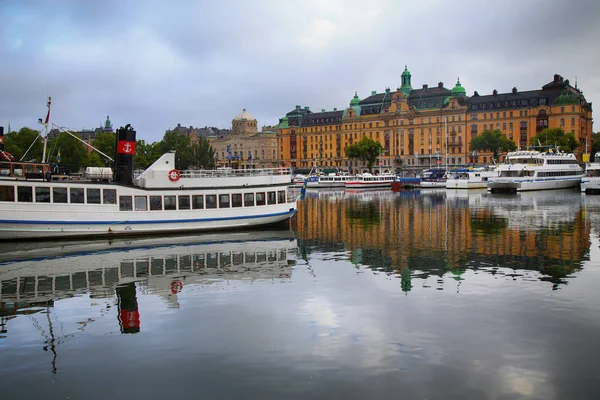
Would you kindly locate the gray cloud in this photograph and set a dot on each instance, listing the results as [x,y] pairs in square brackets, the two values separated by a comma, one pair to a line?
[154,64]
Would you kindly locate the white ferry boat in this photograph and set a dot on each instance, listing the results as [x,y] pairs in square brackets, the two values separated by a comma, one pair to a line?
[331,180]
[535,170]
[367,180]
[161,200]
[590,183]
[472,178]
[433,178]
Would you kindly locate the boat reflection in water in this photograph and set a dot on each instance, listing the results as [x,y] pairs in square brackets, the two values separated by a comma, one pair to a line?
[422,233]
[32,275]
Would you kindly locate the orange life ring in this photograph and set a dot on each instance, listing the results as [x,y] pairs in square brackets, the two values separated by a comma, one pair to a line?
[174,175]
[176,287]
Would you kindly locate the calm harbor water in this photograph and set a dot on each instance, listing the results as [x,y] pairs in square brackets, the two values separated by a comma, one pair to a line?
[365,295]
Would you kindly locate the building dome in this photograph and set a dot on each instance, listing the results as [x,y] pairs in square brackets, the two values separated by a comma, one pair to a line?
[405,72]
[355,100]
[244,116]
[458,90]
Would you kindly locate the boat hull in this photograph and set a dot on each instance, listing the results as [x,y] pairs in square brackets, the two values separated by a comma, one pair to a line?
[34,228]
[365,185]
[523,185]
[465,184]
[432,184]
[590,185]
[317,185]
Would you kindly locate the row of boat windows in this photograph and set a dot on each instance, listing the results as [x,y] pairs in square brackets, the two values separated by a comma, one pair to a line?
[562,161]
[197,202]
[539,161]
[28,194]
[513,174]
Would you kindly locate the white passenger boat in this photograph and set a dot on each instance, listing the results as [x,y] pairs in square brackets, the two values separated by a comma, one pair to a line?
[535,170]
[367,180]
[433,178]
[470,178]
[298,180]
[590,183]
[331,180]
[161,200]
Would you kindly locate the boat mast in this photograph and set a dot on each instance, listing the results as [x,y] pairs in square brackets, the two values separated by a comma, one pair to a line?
[46,130]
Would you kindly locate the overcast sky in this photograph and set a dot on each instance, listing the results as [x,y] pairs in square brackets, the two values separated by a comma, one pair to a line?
[154,63]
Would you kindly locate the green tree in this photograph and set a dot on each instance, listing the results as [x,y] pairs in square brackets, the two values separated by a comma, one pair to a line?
[105,142]
[491,140]
[367,150]
[73,153]
[556,137]
[180,143]
[96,160]
[17,143]
[203,155]
[145,154]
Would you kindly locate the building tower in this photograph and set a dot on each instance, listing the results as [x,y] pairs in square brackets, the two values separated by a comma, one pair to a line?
[405,87]
[107,125]
[244,123]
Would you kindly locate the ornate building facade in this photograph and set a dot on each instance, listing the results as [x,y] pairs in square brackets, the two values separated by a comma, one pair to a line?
[431,125]
[245,147]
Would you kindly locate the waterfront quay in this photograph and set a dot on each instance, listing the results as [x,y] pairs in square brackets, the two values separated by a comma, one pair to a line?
[435,294]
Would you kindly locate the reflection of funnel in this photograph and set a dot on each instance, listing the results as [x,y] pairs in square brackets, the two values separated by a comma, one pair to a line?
[129,317]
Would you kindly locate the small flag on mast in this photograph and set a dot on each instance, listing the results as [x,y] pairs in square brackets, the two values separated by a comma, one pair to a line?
[48,115]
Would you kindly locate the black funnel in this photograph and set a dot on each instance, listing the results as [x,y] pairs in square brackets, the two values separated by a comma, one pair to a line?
[124,155]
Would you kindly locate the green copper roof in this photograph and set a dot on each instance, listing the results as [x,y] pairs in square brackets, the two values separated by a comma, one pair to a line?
[458,90]
[405,78]
[107,124]
[355,100]
[567,97]
[283,122]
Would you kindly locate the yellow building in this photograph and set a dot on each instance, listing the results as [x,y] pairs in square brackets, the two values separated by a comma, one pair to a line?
[430,125]
[245,147]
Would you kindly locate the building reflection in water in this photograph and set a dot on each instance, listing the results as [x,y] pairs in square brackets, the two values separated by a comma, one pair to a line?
[438,232]
[33,276]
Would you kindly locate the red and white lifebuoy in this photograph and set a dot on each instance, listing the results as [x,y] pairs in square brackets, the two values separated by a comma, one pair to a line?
[176,287]
[174,175]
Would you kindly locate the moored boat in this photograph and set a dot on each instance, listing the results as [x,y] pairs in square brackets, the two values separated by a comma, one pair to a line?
[470,178]
[161,200]
[298,180]
[536,170]
[367,180]
[590,183]
[433,178]
[330,180]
